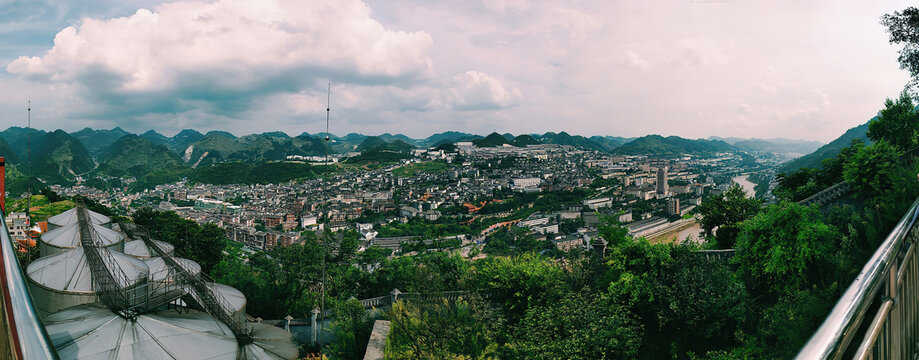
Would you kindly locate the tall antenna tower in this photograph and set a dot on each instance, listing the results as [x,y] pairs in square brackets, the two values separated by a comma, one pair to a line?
[29,177]
[325,242]
[328,108]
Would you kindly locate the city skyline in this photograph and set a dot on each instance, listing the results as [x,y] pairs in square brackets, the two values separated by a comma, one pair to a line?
[695,69]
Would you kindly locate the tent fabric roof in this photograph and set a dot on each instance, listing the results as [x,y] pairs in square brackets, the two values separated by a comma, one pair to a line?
[159,271]
[70,271]
[235,299]
[68,236]
[270,342]
[94,332]
[70,217]
[138,248]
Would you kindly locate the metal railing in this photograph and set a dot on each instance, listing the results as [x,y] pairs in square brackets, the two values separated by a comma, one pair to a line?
[22,336]
[877,317]
[107,275]
[722,256]
[210,301]
[827,195]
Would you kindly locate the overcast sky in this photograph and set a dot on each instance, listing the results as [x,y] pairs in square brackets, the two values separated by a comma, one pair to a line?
[744,68]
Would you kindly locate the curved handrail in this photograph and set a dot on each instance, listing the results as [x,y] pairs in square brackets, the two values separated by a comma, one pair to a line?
[834,336]
[21,322]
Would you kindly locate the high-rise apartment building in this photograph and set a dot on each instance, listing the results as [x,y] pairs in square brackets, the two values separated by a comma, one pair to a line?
[662,188]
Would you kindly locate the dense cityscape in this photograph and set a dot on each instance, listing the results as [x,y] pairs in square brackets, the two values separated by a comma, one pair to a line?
[404,180]
[639,190]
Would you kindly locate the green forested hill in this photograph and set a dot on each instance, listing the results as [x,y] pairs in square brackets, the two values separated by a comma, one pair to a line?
[135,156]
[492,140]
[375,143]
[449,136]
[778,145]
[524,140]
[7,152]
[263,173]
[58,156]
[250,148]
[18,138]
[180,141]
[563,138]
[672,145]
[155,137]
[96,141]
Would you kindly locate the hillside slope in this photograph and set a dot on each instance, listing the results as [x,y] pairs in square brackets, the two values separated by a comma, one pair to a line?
[57,157]
[135,156]
[815,159]
[672,145]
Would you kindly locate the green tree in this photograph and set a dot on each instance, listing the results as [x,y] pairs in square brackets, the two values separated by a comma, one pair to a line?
[871,169]
[683,302]
[613,232]
[463,329]
[516,283]
[725,212]
[832,168]
[898,123]
[580,326]
[352,327]
[786,248]
[903,27]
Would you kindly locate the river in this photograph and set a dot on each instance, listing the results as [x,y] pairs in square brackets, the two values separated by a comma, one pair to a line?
[693,231]
[744,182]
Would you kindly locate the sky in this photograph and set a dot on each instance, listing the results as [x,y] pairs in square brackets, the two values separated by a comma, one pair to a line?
[690,68]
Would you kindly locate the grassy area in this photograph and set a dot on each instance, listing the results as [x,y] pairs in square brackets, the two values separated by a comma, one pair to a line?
[41,209]
[413,169]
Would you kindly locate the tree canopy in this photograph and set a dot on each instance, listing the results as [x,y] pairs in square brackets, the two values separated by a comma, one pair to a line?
[725,212]
[898,123]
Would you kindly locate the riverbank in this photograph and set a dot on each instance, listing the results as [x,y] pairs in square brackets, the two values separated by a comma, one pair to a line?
[745,183]
[677,232]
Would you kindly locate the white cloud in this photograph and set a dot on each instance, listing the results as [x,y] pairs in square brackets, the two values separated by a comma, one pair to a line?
[475,91]
[699,52]
[506,6]
[633,60]
[230,48]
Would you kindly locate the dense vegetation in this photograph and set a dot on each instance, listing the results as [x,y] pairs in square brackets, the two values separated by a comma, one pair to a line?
[135,156]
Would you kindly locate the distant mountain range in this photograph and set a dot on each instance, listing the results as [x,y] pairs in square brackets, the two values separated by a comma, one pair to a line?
[815,159]
[774,145]
[61,157]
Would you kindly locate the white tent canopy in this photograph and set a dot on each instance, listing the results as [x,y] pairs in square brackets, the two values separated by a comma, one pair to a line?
[64,280]
[235,301]
[67,237]
[270,342]
[139,249]
[159,270]
[69,217]
[94,332]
